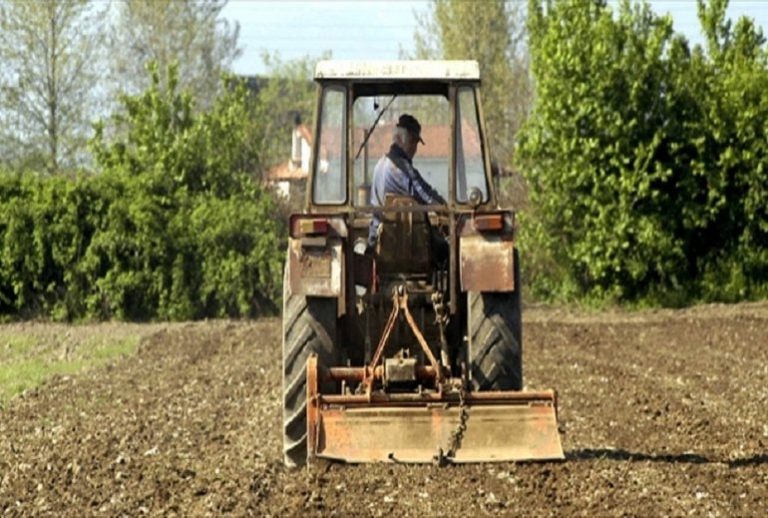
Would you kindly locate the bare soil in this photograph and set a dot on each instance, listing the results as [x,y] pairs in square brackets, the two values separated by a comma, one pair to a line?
[662,412]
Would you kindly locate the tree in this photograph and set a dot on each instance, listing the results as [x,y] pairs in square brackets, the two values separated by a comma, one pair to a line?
[646,159]
[166,31]
[287,94]
[191,233]
[48,68]
[493,33]
[590,148]
[732,165]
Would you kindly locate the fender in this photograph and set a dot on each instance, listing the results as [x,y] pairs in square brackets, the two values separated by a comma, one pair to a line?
[316,256]
[487,253]
[316,269]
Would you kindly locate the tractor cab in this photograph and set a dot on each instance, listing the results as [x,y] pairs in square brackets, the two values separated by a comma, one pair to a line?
[358,107]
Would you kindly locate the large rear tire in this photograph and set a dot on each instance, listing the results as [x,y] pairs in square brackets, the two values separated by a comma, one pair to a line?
[495,354]
[309,327]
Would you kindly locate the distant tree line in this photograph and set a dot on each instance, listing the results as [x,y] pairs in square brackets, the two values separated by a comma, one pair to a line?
[64,62]
[129,165]
[130,170]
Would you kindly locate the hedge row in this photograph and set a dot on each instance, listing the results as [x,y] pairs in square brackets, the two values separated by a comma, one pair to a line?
[647,159]
[168,227]
[98,247]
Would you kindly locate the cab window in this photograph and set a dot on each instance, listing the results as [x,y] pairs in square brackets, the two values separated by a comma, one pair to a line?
[470,165]
[432,158]
[330,175]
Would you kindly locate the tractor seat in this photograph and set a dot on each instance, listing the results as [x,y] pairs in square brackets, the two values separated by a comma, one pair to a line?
[404,244]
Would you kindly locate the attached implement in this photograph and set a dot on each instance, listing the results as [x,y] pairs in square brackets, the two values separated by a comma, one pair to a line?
[439,427]
[403,353]
[440,422]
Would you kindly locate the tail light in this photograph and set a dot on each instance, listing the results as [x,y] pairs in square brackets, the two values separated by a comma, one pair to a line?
[311,227]
[502,222]
[315,225]
[489,222]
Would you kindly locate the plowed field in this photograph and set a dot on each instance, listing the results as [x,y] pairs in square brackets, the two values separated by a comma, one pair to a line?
[663,413]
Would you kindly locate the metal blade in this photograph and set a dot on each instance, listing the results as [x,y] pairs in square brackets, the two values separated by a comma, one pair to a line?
[494,433]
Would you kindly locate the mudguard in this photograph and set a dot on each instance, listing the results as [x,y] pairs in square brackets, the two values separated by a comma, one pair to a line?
[487,262]
[316,266]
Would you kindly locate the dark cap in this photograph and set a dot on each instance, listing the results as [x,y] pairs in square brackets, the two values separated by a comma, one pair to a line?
[410,123]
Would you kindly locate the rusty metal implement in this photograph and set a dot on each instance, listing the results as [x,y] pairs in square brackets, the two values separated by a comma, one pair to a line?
[417,427]
[443,423]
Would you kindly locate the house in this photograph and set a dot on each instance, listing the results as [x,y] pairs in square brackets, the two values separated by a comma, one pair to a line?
[289,178]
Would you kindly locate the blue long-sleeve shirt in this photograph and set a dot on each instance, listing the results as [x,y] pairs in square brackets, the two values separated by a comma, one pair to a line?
[395,174]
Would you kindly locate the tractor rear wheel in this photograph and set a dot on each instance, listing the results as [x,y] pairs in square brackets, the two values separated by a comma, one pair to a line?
[309,327]
[495,354]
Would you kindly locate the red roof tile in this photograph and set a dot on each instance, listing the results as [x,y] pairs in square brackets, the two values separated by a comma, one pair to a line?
[437,140]
[286,171]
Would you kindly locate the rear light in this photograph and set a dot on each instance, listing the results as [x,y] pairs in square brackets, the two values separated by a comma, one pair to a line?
[488,222]
[312,227]
[317,225]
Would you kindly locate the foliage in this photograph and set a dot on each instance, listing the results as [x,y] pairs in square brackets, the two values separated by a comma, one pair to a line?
[173,228]
[205,243]
[48,65]
[192,34]
[646,160]
[491,32]
[287,96]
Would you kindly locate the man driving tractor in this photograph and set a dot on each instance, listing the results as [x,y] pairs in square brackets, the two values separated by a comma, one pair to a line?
[395,174]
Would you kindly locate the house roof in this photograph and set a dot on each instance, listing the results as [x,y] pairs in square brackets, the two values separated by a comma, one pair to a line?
[285,171]
[305,133]
[437,141]
[289,170]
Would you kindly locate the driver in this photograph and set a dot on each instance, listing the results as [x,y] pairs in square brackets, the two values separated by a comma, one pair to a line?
[395,174]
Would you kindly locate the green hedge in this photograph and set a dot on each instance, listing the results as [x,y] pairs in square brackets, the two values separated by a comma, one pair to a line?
[96,247]
[170,227]
[647,160]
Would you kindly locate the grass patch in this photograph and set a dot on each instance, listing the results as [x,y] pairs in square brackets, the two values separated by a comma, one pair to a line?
[26,362]
[15,345]
[17,377]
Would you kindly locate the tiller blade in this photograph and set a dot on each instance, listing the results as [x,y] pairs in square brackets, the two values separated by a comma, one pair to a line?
[428,426]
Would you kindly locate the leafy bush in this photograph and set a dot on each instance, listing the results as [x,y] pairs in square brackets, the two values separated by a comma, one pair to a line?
[172,227]
[646,161]
[45,226]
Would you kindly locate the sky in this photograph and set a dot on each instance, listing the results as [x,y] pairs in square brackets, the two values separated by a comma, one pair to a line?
[380,29]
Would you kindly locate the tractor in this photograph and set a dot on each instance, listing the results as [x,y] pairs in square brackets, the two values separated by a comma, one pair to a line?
[391,352]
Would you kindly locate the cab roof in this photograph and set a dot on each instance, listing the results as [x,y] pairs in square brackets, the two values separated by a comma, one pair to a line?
[400,70]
